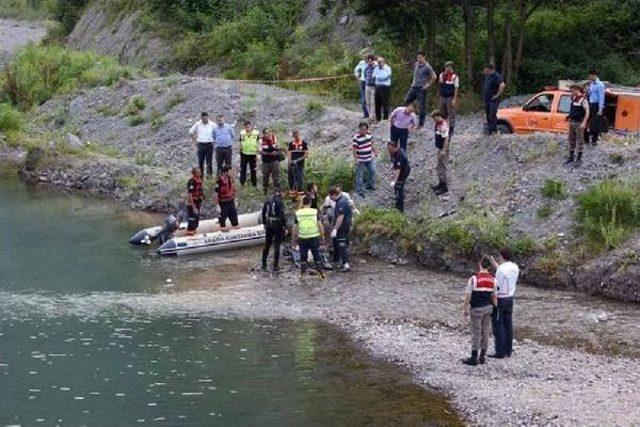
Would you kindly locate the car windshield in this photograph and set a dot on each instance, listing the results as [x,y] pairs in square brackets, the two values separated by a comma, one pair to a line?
[541,103]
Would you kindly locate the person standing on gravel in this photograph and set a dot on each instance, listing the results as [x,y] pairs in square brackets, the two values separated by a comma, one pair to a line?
[249,141]
[202,137]
[364,155]
[401,165]
[480,298]
[271,156]
[297,151]
[223,136]
[341,228]
[402,121]
[370,86]
[423,77]
[225,195]
[449,87]
[577,118]
[308,232]
[358,72]
[491,92]
[507,273]
[382,76]
[596,105]
[441,138]
[275,224]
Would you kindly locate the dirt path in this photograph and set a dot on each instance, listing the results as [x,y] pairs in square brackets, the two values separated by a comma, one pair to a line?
[15,34]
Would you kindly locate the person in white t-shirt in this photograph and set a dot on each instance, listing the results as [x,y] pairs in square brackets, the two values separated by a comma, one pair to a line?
[507,273]
[202,137]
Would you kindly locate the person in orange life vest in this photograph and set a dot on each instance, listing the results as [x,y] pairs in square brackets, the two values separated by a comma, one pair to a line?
[226,194]
[196,197]
[479,299]
[271,156]
[297,152]
[441,132]
[449,87]
[577,118]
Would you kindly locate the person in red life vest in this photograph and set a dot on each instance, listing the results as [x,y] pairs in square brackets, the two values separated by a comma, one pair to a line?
[441,132]
[479,299]
[577,118]
[196,197]
[449,87]
[226,198]
[297,152]
[271,156]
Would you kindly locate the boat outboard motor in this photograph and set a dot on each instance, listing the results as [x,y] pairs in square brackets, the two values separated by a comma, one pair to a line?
[171,224]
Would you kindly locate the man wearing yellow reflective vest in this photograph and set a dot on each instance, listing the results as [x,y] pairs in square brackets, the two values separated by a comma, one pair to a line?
[308,231]
[249,141]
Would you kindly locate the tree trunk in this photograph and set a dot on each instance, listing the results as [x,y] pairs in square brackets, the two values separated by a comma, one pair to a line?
[522,21]
[431,32]
[491,32]
[507,54]
[469,26]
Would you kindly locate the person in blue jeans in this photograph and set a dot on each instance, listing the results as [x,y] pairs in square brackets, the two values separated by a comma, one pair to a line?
[364,154]
[507,273]
[423,77]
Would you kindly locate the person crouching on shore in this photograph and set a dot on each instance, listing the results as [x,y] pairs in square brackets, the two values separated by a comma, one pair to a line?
[479,299]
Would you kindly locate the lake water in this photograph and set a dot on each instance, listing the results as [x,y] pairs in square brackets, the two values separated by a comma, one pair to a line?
[70,355]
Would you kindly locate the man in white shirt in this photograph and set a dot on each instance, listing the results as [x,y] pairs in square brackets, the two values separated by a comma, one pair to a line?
[358,73]
[201,136]
[506,278]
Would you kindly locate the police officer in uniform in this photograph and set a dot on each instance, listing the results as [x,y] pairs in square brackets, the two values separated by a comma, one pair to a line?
[308,232]
[275,222]
[577,118]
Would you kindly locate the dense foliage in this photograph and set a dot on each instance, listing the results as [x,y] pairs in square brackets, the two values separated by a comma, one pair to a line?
[38,73]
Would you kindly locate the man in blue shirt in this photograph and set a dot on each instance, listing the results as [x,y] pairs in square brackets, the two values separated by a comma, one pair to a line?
[341,227]
[596,106]
[382,77]
[223,136]
[492,90]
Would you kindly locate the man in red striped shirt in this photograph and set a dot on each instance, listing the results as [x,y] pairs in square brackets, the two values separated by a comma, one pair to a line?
[364,154]
[480,297]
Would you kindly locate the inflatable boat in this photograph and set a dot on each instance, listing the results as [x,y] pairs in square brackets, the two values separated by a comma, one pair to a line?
[212,242]
[151,234]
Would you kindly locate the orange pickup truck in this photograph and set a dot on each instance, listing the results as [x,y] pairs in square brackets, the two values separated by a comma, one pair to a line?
[547,112]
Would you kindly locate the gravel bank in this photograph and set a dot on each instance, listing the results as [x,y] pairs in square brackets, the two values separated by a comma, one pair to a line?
[15,34]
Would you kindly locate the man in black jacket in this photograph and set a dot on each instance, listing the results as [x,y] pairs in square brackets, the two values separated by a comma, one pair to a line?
[275,224]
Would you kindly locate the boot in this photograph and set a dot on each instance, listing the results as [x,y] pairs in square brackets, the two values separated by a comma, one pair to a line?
[473,360]
[442,190]
[578,160]
[482,355]
[569,159]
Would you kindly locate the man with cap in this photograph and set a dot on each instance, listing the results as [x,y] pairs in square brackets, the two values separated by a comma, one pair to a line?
[577,118]
[449,87]
[202,137]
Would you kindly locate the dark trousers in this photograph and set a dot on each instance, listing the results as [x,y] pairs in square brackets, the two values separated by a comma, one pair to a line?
[297,176]
[274,237]
[250,161]
[312,245]
[491,111]
[228,211]
[400,137]
[502,321]
[193,217]
[593,123]
[205,155]
[341,248]
[419,94]
[399,190]
[223,157]
[363,100]
[382,102]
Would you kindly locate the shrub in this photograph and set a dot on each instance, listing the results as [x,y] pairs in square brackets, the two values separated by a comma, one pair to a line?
[544,211]
[38,73]
[389,223]
[469,235]
[10,119]
[554,189]
[136,105]
[157,120]
[315,108]
[326,169]
[524,247]
[175,99]
[135,120]
[607,213]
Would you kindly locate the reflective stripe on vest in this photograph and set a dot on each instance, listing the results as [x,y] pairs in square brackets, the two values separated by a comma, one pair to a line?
[307,223]
[249,142]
